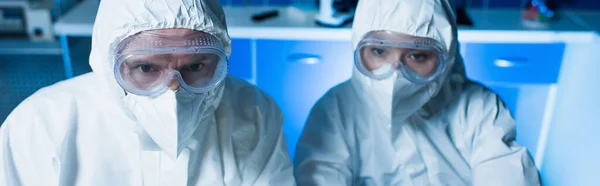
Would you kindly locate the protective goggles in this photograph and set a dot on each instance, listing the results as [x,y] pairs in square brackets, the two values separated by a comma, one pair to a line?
[380,53]
[147,62]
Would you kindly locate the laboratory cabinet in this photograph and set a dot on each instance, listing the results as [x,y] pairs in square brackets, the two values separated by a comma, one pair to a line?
[298,73]
[519,63]
[504,67]
[524,75]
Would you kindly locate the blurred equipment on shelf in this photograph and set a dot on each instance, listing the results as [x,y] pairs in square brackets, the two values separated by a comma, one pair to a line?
[335,13]
[538,14]
[31,19]
[462,18]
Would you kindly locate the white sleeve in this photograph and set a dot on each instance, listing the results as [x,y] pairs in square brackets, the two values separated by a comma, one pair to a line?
[495,157]
[4,152]
[322,153]
[7,167]
[25,149]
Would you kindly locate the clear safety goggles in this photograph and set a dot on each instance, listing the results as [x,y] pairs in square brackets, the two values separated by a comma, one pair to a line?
[381,53]
[147,62]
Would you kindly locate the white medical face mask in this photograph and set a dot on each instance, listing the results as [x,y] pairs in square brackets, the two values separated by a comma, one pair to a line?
[396,94]
[170,118]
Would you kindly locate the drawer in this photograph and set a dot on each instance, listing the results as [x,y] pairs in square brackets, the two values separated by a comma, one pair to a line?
[513,63]
[240,61]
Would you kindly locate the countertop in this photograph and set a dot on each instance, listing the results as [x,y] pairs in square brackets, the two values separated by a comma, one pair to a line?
[588,19]
[297,22]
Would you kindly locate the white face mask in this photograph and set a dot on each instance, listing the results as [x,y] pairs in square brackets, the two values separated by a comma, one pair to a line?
[170,118]
[409,97]
[396,94]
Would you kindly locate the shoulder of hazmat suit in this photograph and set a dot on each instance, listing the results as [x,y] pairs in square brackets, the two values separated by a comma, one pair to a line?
[80,132]
[449,131]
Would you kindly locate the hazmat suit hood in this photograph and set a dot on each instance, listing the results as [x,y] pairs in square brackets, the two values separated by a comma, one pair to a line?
[433,19]
[167,121]
[117,20]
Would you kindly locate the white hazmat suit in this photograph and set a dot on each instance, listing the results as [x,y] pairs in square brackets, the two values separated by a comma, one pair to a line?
[87,131]
[379,132]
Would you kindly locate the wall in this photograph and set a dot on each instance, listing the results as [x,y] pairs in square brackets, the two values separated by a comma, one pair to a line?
[577,4]
[22,75]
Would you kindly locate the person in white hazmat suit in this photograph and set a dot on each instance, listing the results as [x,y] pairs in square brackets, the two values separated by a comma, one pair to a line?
[408,115]
[158,109]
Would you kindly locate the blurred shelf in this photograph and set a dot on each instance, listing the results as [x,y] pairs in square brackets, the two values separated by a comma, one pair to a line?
[297,22]
[26,47]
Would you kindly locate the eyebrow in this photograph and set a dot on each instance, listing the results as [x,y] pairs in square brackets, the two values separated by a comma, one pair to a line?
[197,59]
[143,59]
[136,61]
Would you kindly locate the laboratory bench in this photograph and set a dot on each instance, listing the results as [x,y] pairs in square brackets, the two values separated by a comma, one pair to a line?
[296,61]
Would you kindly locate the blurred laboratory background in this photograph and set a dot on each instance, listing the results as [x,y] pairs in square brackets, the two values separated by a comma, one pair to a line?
[540,56]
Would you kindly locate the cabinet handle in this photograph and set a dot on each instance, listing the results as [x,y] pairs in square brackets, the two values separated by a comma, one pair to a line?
[510,62]
[308,59]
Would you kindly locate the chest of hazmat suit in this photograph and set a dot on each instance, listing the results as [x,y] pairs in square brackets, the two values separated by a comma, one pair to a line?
[82,132]
[449,131]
